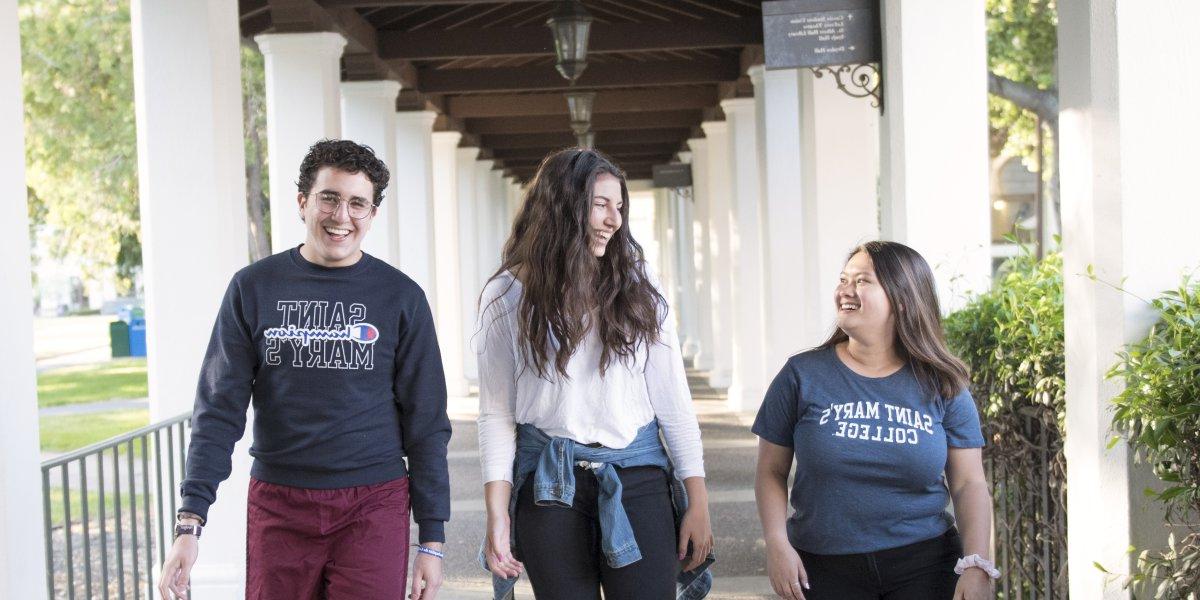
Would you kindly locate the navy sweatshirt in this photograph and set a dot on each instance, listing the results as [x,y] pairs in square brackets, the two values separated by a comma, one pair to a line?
[346,378]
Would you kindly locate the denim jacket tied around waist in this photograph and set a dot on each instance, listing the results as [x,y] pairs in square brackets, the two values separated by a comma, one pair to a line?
[552,463]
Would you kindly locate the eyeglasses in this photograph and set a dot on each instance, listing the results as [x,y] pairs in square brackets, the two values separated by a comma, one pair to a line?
[358,208]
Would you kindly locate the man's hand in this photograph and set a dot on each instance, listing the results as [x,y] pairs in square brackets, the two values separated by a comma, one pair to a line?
[427,574]
[176,574]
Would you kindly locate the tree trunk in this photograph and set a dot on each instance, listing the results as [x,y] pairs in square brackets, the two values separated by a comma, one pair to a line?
[1044,103]
[260,242]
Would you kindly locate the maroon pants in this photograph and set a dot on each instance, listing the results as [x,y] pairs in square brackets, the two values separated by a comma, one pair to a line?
[341,544]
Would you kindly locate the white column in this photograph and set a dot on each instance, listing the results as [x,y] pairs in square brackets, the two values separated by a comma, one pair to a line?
[683,254]
[702,254]
[414,197]
[935,153]
[500,216]
[22,545]
[515,199]
[663,234]
[468,258]
[720,190]
[450,324]
[486,261]
[840,166]
[783,208]
[302,77]
[1130,213]
[750,377]
[187,84]
[369,117]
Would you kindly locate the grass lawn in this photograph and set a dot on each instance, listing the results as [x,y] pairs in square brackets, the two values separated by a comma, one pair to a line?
[57,515]
[64,433]
[117,379]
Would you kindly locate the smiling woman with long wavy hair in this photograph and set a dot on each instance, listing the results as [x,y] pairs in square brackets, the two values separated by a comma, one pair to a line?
[579,368]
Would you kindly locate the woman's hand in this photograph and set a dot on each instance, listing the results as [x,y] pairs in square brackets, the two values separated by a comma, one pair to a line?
[496,548]
[786,571]
[696,529]
[973,584]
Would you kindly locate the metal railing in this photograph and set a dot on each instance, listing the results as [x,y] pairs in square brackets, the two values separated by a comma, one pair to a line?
[110,512]
[1027,470]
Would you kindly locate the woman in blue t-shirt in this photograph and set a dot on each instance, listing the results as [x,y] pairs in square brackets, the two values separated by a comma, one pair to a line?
[884,434]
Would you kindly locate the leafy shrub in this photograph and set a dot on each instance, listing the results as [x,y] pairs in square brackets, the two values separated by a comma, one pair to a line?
[1012,339]
[1158,413]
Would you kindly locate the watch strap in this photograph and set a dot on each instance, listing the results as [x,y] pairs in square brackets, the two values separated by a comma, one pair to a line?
[188,529]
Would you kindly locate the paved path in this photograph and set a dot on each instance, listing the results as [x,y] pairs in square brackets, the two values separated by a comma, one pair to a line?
[95,407]
[729,452]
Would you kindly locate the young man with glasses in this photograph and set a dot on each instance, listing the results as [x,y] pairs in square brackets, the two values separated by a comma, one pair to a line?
[338,351]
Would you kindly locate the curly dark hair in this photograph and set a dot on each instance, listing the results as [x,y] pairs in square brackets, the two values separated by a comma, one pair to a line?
[564,282]
[347,156]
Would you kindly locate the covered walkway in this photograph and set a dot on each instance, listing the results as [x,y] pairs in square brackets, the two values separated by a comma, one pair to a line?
[462,98]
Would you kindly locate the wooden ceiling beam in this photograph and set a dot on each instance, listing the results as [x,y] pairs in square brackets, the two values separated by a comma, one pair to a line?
[614,149]
[607,75]
[293,16]
[623,162]
[600,122]
[607,101]
[525,175]
[534,40]
[410,3]
[559,140]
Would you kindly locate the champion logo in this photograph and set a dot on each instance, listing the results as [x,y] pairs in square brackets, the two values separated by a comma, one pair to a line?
[364,332]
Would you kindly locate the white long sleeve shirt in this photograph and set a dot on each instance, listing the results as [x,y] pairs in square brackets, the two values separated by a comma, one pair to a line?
[586,407]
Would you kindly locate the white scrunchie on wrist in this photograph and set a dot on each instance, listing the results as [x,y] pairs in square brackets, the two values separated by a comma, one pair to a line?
[977,562]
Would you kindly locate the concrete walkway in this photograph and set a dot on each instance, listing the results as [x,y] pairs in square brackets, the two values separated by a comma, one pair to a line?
[729,453]
[95,407]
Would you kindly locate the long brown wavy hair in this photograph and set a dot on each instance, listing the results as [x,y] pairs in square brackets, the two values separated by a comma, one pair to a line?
[567,289]
[909,284]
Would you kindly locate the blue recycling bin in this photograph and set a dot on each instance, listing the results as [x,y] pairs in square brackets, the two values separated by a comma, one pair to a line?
[137,336]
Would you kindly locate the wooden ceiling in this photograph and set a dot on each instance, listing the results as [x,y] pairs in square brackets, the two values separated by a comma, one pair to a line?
[659,67]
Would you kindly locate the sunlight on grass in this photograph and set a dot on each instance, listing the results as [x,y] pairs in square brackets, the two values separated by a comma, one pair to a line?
[117,379]
[64,433]
[57,515]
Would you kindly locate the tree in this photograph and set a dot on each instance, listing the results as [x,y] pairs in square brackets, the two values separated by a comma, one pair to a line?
[258,206]
[80,133]
[1022,79]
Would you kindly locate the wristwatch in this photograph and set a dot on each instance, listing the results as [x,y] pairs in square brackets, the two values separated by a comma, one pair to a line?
[182,529]
[188,528]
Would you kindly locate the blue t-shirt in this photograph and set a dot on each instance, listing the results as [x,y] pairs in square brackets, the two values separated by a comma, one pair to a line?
[870,453]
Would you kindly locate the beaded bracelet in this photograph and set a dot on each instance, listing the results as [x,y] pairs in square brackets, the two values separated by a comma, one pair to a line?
[431,552]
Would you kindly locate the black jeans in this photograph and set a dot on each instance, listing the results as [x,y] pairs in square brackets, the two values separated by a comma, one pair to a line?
[920,571]
[561,546]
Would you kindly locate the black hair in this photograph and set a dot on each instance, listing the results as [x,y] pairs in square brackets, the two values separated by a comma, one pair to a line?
[347,156]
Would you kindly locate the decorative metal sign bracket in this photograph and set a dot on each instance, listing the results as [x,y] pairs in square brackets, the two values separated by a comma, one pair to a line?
[857,80]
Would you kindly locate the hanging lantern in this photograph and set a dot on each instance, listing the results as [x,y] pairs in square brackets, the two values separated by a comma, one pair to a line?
[579,105]
[571,25]
[585,140]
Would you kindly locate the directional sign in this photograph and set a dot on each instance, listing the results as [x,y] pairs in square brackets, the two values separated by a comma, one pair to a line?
[816,33]
[672,175]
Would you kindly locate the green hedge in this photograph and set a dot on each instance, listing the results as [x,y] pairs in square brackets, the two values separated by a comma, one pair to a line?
[1158,413]
[1012,339]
